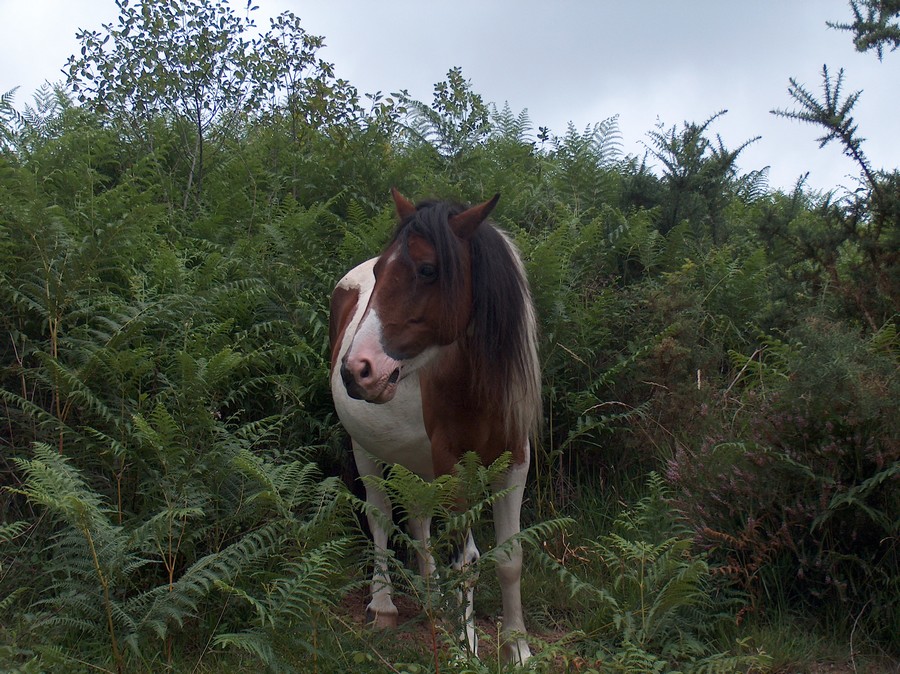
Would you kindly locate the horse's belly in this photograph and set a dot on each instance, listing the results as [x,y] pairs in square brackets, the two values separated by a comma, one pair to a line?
[392,432]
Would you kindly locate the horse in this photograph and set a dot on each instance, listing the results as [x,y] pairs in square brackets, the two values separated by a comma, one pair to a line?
[433,355]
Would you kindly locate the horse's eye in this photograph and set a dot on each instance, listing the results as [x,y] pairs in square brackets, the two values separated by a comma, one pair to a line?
[427,272]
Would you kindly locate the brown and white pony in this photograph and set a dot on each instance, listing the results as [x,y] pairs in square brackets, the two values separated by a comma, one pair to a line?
[433,354]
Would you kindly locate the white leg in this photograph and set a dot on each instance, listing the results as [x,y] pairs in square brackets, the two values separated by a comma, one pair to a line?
[381,611]
[420,530]
[462,561]
[507,512]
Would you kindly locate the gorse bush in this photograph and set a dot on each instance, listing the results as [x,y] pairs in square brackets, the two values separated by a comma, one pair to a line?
[168,444]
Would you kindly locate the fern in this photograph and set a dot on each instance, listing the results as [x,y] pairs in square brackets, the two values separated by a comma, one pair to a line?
[582,162]
[600,143]
[97,566]
[11,120]
[859,496]
[56,485]
[457,503]
[509,127]
[656,609]
[294,601]
[364,235]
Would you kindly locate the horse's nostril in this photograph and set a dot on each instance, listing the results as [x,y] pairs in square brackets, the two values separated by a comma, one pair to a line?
[365,371]
[395,376]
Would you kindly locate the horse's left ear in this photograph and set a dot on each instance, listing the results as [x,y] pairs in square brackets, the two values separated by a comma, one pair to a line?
[466,223]
[405,207]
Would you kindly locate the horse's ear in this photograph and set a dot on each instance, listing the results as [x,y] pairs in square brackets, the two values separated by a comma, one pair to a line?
[405,207]
[465,224]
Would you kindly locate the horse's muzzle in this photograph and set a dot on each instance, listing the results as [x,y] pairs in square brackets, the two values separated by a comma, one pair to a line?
[362,385]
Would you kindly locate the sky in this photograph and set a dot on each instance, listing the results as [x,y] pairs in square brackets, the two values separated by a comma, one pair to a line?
[568,61]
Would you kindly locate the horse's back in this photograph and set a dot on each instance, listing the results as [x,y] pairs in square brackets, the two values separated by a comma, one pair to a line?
[393,432]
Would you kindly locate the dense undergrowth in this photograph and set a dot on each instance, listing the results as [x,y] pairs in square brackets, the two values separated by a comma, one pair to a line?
[719,355]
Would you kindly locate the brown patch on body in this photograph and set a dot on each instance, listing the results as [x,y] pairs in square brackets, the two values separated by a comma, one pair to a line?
[343,304]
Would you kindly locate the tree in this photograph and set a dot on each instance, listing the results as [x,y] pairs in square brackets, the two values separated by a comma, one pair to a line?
[298,89]
[457,119]
[286,66]
[186,61]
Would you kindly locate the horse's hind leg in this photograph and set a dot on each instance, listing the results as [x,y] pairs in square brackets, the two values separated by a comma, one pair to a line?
[507,513]
[381,611]
[463,562]
[420,530]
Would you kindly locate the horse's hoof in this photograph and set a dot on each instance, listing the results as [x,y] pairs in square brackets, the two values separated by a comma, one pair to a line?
[516,652]
[381,621]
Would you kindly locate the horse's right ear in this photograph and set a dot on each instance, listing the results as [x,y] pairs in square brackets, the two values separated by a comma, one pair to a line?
[405,207]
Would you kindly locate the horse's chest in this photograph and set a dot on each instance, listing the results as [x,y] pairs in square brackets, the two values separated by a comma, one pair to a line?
[393,432]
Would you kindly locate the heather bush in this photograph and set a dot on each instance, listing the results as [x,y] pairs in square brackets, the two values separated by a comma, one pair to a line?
[797,496]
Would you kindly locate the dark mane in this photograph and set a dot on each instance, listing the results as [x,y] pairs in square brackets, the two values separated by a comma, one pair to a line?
[501,340]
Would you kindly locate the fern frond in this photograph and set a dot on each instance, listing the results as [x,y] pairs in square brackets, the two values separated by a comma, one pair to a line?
[224,566]
[54,483]
[7,602]
[12,530]
[285,486]
[510,127]
[255,642]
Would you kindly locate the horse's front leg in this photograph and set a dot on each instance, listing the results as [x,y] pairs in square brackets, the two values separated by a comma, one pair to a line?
[507,513]
[381,611]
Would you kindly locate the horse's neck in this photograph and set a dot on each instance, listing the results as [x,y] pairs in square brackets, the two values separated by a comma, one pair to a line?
[456,420]
[451,371]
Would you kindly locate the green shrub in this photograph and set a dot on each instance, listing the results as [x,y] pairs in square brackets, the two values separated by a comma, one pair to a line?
[651,605]
[798,497]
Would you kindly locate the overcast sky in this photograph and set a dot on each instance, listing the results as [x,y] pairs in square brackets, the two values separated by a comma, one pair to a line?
[578,61]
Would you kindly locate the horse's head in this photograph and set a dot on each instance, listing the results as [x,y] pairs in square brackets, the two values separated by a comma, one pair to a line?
[422,299]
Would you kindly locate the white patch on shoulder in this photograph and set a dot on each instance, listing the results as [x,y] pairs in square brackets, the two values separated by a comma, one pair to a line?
[360,277]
